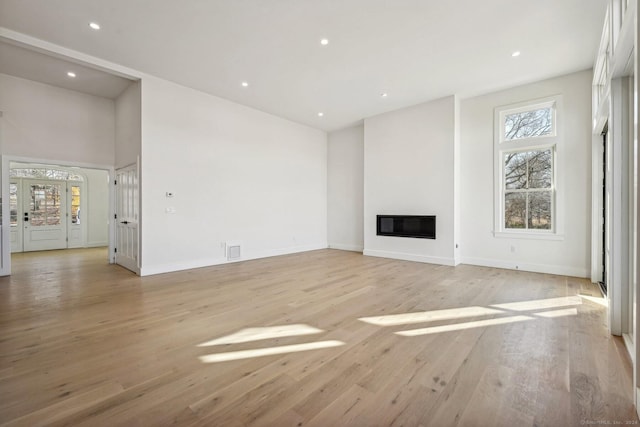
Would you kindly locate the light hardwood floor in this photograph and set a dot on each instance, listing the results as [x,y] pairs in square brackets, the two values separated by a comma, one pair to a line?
[89,344]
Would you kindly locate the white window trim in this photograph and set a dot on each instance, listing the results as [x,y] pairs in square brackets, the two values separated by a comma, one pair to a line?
[555,141]
[520,108]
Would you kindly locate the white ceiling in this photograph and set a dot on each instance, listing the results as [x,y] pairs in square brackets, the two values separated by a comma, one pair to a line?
[29,64]
[414,50]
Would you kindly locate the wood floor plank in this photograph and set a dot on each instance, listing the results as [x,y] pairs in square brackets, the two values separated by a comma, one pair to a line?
[86,343]
[57,412]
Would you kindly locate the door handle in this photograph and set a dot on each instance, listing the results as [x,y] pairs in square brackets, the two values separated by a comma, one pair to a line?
[124,222]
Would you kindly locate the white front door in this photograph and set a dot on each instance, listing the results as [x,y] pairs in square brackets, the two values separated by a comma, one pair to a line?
[127,218]
[44,215]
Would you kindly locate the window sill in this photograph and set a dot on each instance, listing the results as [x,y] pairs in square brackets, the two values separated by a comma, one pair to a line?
[527,235]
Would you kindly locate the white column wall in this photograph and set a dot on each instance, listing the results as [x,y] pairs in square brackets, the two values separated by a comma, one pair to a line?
[345,189]
[409,169]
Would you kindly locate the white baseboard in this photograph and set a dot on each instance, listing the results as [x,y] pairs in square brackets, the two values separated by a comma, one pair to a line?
[410,257]
[628,343]
[561,270]
[96,244]
[483,262]
[343,247]
[199,263]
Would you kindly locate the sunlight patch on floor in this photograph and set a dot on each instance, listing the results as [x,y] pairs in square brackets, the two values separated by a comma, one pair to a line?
[557,313]
[429,316]
[269,351]
[600,301]
[263,333]
[501,314]
[461,326]
[515,311]
[487,322]
[539,304]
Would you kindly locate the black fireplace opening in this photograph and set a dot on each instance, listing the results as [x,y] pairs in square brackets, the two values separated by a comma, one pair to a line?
[418,226]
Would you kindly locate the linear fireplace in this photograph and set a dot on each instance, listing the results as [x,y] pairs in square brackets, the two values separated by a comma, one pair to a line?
[418,226]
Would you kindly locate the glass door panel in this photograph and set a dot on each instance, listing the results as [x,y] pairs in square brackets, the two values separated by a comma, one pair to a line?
[44,214]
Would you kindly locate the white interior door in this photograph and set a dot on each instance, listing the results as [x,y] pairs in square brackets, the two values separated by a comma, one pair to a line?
[127,218]
[44,215]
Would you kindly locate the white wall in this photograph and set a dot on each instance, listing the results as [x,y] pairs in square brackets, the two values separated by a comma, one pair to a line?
[237,174]
[345,190]
[570,256]
[128,126]
[97,217]
[409,170]
[48,123]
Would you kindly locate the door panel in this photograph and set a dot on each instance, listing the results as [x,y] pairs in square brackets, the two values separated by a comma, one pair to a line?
[127,218]
[74,222]
[15,217]
[44,215]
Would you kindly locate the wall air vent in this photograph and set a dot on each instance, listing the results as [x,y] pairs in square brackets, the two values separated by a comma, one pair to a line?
[233,252]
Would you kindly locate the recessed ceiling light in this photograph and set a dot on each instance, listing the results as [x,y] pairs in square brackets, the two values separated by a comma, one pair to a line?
[244,84]
[94,25]
[320,114]
[324,42]
[516,53]
[384,94]
[71,74]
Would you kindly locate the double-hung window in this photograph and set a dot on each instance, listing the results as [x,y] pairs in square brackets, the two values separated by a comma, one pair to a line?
[527,140]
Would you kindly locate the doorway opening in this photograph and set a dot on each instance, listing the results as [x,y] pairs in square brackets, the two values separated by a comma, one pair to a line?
[57,207]
[602,283]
